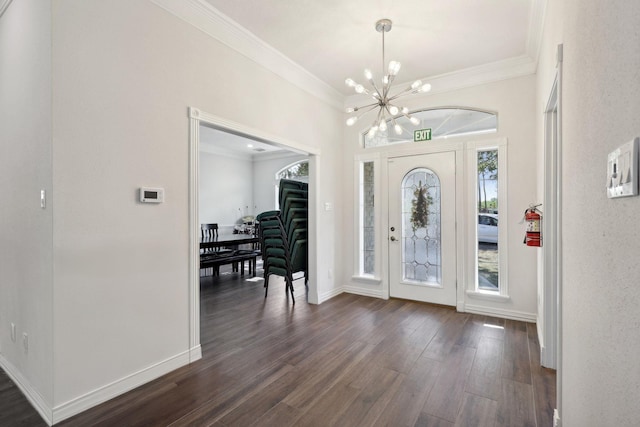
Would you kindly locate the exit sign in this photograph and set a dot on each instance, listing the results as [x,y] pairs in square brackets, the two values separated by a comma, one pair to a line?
[422,135]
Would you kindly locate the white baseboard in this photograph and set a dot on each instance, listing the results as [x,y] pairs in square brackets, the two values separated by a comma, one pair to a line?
[541,336]
[123,385]
[367,292]
[195,354]
[499,312]
[32,395]
[328,295]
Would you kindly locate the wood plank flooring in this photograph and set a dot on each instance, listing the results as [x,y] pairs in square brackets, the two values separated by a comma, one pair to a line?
[352,361]
[15,409]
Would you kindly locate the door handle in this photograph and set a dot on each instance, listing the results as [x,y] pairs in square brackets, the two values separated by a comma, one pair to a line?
[393,238]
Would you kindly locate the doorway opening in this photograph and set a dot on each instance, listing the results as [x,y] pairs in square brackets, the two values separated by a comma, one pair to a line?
[202,123]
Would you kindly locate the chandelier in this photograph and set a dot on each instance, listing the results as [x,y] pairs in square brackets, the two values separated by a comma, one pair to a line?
[384,101]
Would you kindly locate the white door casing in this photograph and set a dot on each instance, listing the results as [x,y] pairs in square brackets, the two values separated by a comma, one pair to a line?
[422,259]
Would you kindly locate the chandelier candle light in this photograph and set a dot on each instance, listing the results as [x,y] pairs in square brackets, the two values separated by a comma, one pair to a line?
[382,96]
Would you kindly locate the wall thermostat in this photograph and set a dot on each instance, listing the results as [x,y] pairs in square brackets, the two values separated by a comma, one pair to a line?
[151,195]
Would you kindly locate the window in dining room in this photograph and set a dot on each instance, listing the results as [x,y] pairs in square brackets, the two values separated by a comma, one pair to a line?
[298,171]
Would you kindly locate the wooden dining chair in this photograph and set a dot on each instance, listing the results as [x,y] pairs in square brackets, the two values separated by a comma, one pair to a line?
[209,231]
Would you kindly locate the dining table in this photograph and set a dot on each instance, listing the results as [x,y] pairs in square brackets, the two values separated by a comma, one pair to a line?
[227,241]
[211,245]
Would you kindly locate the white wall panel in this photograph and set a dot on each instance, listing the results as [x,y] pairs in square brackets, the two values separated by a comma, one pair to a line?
[226,189]
[124,74]
[25,169]
[600,375]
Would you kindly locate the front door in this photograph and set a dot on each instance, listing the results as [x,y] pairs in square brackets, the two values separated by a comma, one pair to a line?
[422,228]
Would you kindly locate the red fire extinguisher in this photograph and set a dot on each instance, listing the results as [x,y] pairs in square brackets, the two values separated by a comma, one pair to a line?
[533,217]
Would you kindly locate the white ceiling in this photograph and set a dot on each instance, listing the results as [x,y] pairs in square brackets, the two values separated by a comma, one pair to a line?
[316,44]
[335,39]
[221,142]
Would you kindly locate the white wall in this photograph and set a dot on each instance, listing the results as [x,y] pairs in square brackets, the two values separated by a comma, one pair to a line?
[226,189]
[265,168]
[124,74]
[600,374]
[514,101]
[234,186]
[25,169]
[547,62]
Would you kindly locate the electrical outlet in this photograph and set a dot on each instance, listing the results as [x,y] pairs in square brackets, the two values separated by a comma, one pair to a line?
[330,274]
[556,418]
[13,332]
[25,342]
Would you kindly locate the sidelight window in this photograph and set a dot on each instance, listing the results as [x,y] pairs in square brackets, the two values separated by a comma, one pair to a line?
[488,221]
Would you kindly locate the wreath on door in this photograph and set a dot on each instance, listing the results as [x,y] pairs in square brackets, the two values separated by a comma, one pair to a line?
[420,207]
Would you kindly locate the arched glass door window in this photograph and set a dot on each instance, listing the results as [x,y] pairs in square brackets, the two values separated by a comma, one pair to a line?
[443,122]
[421,254]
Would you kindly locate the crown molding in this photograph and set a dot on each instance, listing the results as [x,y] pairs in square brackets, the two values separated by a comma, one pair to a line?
[536,28]
[474,76]
[4,4]
[483,74]
[219,26]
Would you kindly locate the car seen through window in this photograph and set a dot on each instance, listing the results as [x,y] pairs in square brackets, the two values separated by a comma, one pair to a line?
[487,228]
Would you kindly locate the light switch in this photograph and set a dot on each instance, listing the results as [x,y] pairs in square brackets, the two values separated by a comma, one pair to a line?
[328,206]
[43,199]
[622,170]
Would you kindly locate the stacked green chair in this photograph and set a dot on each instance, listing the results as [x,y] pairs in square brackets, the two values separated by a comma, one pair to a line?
[283,235]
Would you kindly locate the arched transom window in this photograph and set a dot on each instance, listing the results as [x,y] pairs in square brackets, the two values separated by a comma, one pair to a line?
[443,123]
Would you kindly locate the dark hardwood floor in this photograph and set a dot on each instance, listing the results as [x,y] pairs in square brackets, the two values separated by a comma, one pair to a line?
[352,361]
[15,409]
